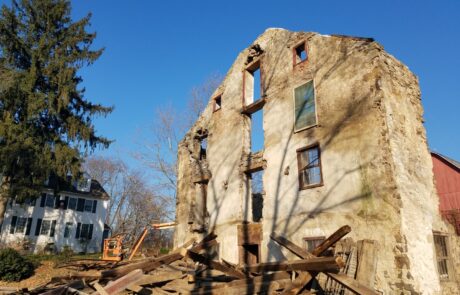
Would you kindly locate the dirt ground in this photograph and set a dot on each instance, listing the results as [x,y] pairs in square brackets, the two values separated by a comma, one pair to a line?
[43,274]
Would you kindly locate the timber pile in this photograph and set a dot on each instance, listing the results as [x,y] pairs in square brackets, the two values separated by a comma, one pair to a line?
[189,270]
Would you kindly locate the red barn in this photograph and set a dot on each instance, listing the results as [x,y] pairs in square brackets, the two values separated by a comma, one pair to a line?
[447,175]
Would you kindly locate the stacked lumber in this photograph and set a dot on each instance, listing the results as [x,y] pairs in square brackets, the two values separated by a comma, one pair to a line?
[190,270]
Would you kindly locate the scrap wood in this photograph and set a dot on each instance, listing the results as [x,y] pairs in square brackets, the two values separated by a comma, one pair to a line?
[146,266]
[332,264]
[350,283]
[254,287]
[114,287]
[214,264]
[157,278]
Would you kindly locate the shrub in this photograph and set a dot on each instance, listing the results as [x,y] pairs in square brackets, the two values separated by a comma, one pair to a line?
[13,266]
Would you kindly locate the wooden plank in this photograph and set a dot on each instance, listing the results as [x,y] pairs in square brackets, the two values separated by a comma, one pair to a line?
[120,284]
[367,257]
[138,243]
[214,264]
[100,290]
[162,277]
[259,287]
[348,282]
[352,284]
[146,266]
[332,264]
[331,240]
[299,251]
[304,278]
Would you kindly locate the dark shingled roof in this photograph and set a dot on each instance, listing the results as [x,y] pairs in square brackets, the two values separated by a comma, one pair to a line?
[96,190]
[447,159]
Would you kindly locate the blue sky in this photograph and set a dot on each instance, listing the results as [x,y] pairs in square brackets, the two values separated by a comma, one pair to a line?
[156,51]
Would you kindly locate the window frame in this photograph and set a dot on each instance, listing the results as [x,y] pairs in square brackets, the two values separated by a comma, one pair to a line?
[251,69]
[75,205]
[84,206]
[295,54]
[446,258]
[316,104]
[48,221]
[303,186]
[23,231]
[50,196]
[68,229]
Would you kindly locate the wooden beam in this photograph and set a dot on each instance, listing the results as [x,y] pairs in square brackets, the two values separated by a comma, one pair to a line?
[331,240]
[120,284]
[255,287]
[146,266]
[331,264]
[346,281]
[352,284]
[304,277]
[214,264]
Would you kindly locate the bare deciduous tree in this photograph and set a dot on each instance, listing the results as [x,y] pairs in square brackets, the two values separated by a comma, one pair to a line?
[133,203]
[159,151]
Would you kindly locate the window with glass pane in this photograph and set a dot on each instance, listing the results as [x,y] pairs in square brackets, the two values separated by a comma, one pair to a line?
[45,229]
[88,205]
[84,231]
[21,225]
[305,111]
[68,227]
[50,201]
[442,255]
[309,163]
[72,203]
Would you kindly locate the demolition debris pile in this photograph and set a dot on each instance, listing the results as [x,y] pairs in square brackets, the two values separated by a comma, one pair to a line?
[191,270]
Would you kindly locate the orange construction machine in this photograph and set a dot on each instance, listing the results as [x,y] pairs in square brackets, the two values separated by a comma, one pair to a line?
[113,247]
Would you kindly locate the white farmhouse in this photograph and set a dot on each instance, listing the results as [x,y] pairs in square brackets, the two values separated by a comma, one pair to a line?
[74,218]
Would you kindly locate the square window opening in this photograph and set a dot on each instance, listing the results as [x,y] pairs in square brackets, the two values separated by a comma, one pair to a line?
[252,84]
[309,165]
[257,131]
[300,53]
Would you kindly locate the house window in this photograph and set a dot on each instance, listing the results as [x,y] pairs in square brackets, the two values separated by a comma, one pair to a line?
[50,200]
[300,53]
[305,110]
[442,255]
[257,194]
[312,242]
[252,84]
[21,225]
[46,226]
[84,231]
[309,165]
[67,229]
[72,203]
[88,205]
[217,103]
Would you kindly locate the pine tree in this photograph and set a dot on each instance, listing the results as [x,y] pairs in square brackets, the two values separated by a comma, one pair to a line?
[45,122]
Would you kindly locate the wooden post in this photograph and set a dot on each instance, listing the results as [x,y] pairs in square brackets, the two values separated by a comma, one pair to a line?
[367,262]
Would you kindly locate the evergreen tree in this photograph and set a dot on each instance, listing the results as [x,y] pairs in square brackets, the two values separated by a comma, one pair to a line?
[45,121]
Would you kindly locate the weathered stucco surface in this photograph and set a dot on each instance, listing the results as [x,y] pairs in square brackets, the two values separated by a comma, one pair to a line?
[377,171]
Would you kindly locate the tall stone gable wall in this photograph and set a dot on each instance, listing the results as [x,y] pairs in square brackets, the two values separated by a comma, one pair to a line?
[375,161]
